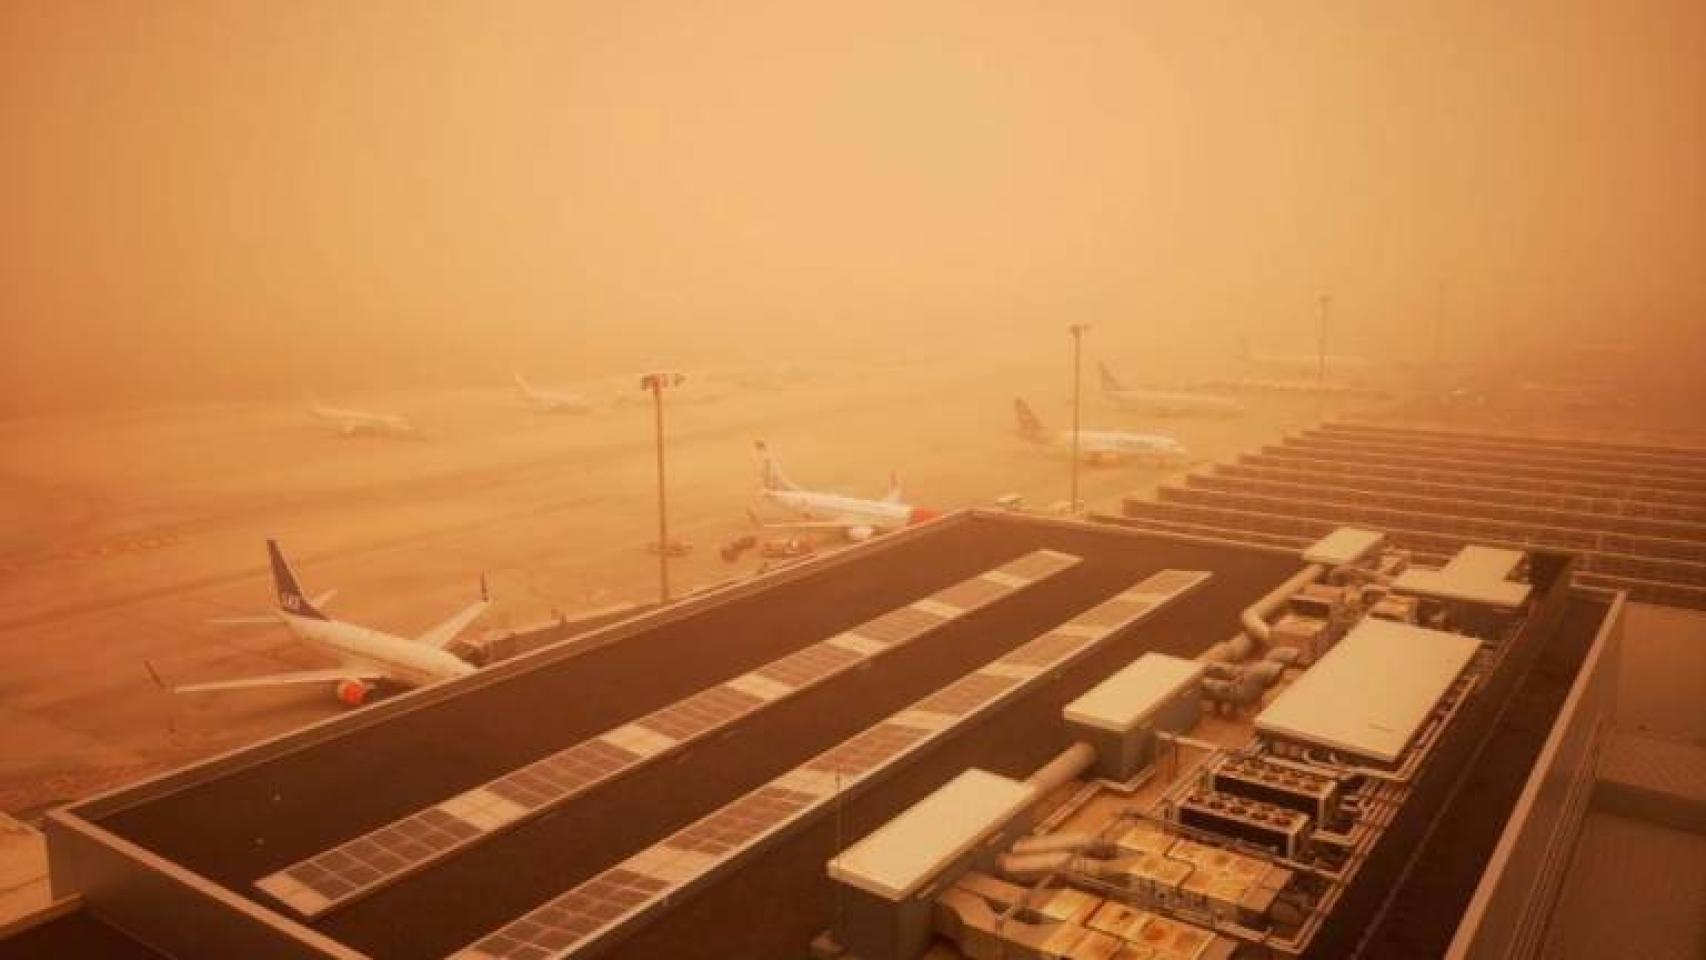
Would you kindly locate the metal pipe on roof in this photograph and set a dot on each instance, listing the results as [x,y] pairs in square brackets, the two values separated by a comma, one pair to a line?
[1068,765]
[1030,867]
[1052,843]
[1254,618]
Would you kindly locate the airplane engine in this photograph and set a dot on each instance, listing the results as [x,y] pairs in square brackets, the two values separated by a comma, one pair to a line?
[354,692]
[860,534]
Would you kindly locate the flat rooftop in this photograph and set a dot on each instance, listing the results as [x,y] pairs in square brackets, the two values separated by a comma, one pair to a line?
[1370,694]
[238,820]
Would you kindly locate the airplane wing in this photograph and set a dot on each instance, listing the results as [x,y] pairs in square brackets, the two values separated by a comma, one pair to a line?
[328,675]
[447,631]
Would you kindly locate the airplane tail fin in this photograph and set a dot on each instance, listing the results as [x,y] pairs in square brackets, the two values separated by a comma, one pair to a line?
[290,597]
[1110,383]
[894,494]
[522,385]
[1029,426]
[770,475]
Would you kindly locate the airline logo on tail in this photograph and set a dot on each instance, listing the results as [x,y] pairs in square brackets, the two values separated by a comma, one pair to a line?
[290,597]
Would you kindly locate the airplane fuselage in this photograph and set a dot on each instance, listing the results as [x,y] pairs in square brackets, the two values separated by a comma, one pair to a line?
[854,511]
[550,401]
[405,661]
[1114,445]
[559,403]
[1305,363]
[1175,404]
[359,421]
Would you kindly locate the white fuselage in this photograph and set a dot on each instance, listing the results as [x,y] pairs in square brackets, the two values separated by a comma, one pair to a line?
[1174,404]
[359,421]
[550,401]
[405,661]
[1307,363]
[835,507]
[1106,445]
[558,403]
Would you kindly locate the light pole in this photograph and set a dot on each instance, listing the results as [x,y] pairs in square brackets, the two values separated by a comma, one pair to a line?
[1439,331]
[1321,366]
[656,382]
[1077,330]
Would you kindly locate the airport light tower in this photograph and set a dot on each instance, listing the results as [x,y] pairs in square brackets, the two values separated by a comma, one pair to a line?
[1321,348]
[656,383]
[1077,330]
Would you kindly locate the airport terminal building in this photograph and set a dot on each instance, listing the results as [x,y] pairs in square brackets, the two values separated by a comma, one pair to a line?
[990,735]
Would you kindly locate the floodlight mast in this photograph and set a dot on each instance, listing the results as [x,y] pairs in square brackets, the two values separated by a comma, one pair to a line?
[656,383]
[1077,330]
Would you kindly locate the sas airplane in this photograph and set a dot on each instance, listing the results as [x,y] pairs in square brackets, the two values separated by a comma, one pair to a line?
[551,401]
[351,422]
[1101,447]
[369,656]
[855,517]
[1167,403]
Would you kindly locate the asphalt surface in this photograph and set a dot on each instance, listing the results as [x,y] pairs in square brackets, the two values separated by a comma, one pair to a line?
[247,824]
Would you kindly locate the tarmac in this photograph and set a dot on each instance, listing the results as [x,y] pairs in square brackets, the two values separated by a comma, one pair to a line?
[122,533]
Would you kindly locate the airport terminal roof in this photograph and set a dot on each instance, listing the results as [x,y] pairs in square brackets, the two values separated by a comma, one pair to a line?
[766,664]
[1370,694]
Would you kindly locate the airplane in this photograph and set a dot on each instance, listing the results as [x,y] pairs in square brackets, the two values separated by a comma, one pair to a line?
[369,656]
[856,518]
[1306,363]
[550,401]
[1166,403]
[1101,447]
[351,422]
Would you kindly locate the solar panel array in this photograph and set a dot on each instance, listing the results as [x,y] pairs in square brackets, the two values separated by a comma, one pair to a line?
[350,870]
[571,922]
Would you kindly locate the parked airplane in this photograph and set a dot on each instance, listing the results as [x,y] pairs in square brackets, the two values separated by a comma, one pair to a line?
[551,401]
[352,422]
[1100,446]
[855,517]
[369,656]
[1166,403]
[1306,363]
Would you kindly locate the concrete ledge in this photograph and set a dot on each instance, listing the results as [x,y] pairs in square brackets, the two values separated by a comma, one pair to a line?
[1659,781]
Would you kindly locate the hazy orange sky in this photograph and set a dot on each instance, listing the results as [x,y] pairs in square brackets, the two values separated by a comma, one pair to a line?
[208,199]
